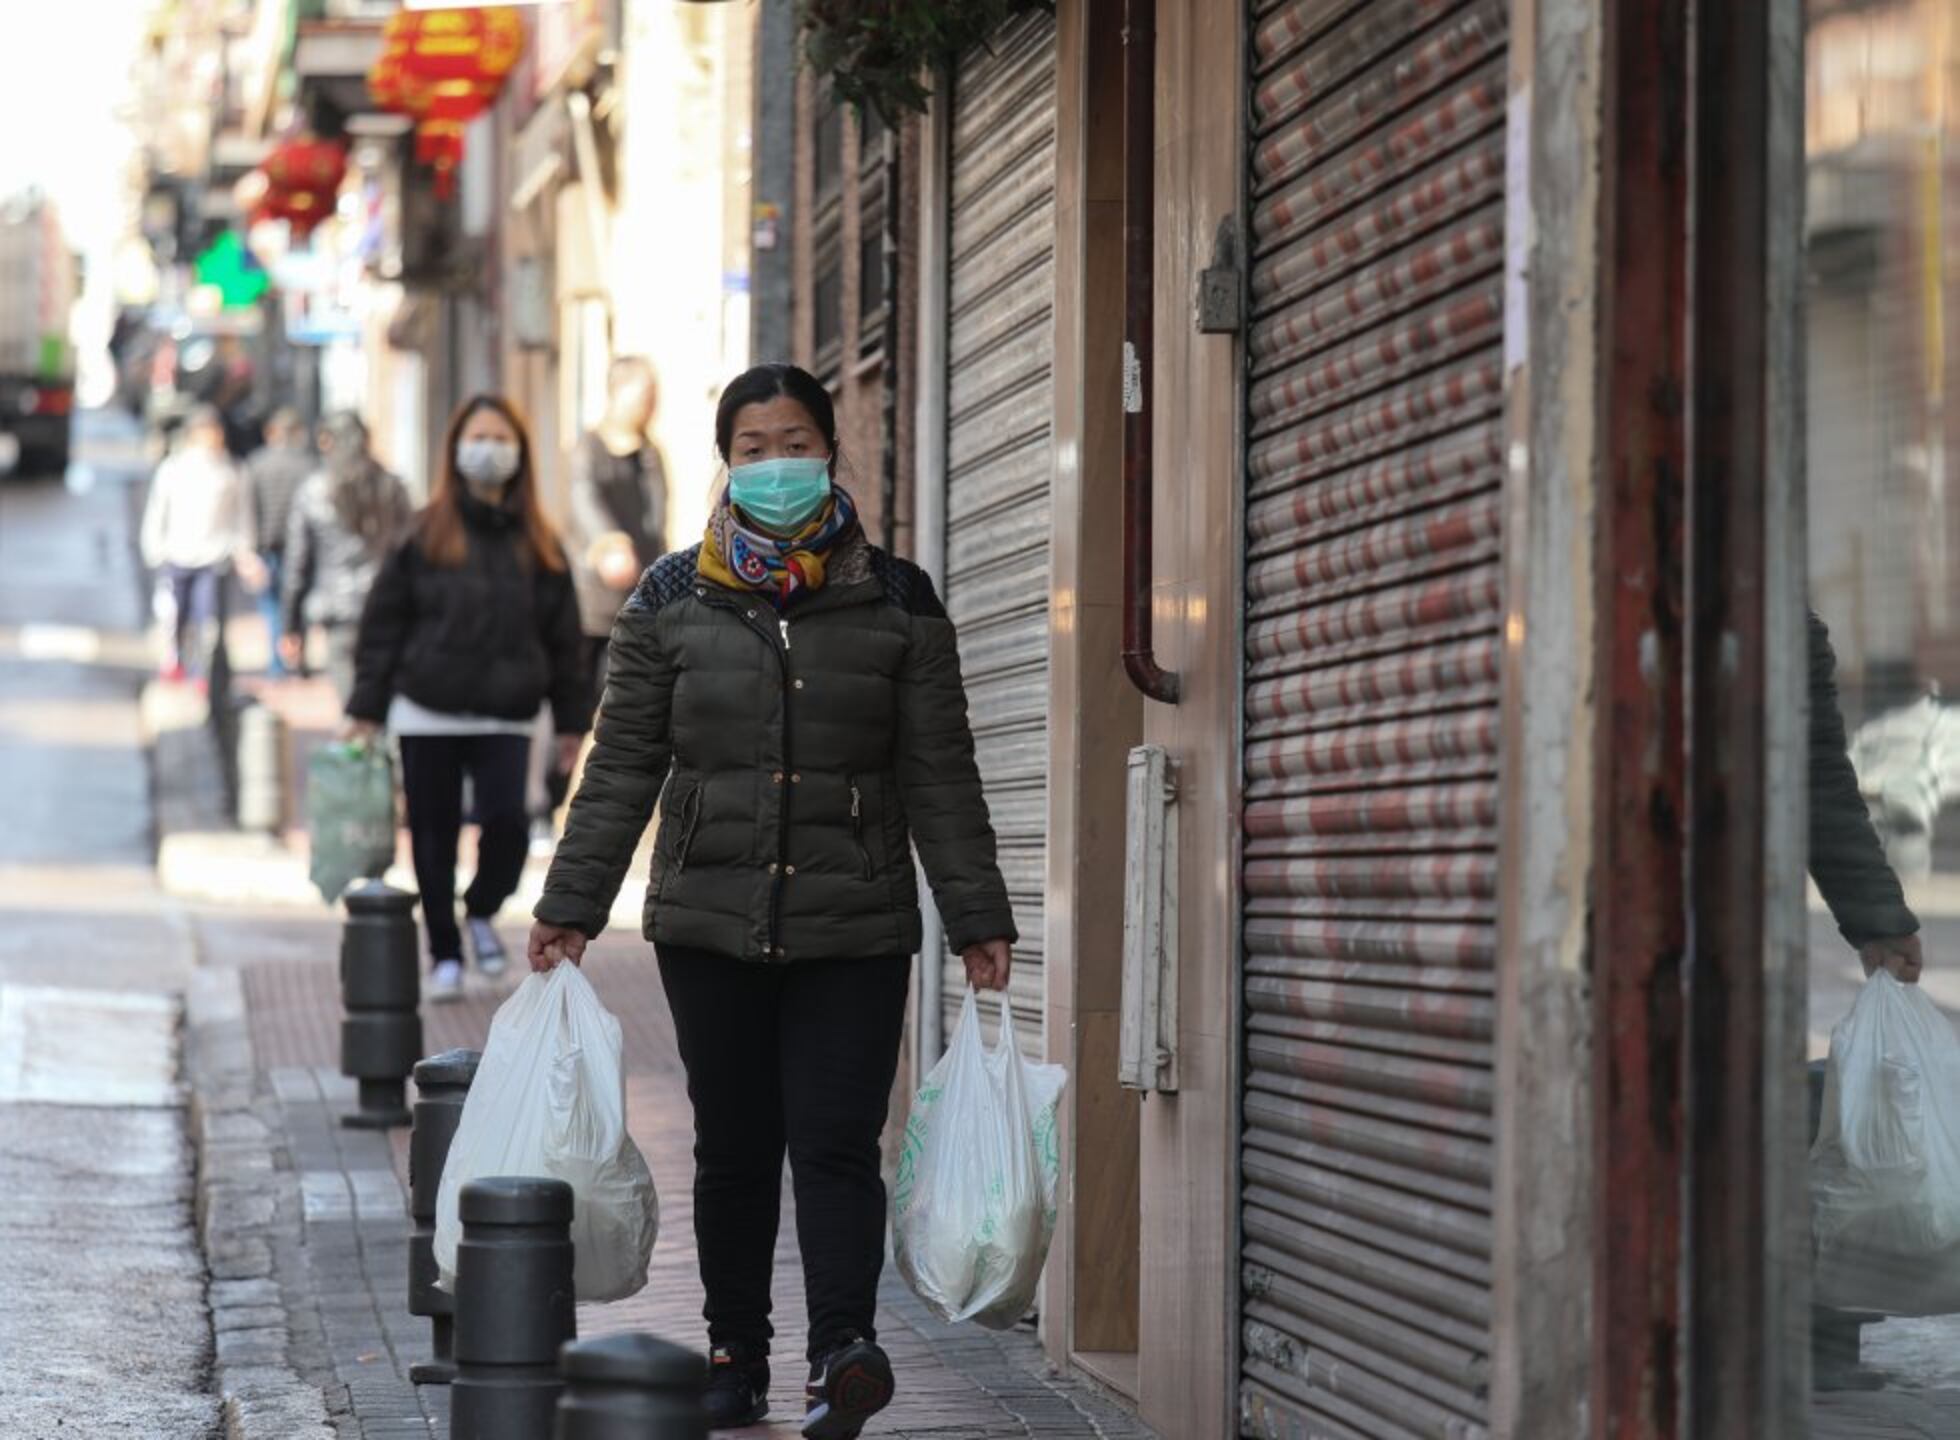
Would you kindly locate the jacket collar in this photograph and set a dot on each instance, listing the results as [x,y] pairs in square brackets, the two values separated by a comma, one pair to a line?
[479,516]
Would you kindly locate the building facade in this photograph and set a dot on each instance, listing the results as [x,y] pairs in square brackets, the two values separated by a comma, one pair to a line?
[1417,332]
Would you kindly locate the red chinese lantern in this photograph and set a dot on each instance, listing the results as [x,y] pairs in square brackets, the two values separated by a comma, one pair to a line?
[302,181]
[443,68]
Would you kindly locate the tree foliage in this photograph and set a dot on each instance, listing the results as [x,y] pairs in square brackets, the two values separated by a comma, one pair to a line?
[877,53]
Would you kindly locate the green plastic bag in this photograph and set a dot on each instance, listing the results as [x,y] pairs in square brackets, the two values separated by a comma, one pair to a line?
[350,806]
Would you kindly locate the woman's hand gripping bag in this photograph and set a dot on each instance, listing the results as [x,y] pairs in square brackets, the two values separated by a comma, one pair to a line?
[1885,1167]
[974,1208]
[549,1099]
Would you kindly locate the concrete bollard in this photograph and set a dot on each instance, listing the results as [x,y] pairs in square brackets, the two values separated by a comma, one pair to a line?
[380,988]
[442,1083]
[261,769]
[514,1307]
[631,1387]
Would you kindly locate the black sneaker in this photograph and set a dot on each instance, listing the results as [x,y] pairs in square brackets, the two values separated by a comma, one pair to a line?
[847,1387]
[738,1387]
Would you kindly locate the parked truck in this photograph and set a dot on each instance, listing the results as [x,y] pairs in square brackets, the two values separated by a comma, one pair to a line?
[38,275]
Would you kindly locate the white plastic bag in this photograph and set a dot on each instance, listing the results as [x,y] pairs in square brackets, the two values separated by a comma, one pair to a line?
[1885,1167]
[549,1099]
[974,1207]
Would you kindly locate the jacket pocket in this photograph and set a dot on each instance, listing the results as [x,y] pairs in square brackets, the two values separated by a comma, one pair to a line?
[690,820]
[857,830]
[680,817]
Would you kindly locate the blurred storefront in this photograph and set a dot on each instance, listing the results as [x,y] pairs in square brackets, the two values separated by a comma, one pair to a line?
[1882,203]
[549,250]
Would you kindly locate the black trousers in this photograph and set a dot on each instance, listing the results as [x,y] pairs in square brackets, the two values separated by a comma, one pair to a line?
[798,1059]
[433,767]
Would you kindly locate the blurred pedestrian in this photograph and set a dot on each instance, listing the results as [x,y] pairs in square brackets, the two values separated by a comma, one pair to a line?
[197,530]
[346,518]
[275,472]
[617,515]
[616,526]
[472,625]
[790,697]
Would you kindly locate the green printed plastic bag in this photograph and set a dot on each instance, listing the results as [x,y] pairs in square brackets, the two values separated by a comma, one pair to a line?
[350,807]
[974,1207]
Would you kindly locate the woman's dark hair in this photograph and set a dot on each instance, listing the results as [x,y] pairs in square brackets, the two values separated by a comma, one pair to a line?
[444,538]
[776,380]
[361,492]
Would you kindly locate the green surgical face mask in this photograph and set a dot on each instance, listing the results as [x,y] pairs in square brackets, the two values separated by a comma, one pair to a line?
[782,496]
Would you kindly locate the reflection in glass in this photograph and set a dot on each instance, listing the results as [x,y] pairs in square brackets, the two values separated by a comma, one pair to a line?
[1884,581]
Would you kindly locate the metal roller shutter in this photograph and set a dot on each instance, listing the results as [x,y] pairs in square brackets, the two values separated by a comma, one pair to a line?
[1374,551]
[1000,393]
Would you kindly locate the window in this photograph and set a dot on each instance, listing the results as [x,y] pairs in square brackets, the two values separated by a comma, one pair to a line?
[871,140]
[829,159]
[827,305]
[874,188]
[871,276]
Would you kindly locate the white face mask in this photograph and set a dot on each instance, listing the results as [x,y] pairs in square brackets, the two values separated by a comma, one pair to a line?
[487,464]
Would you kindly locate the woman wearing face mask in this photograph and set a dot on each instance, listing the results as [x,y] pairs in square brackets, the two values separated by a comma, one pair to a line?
[471,626]
[791,697]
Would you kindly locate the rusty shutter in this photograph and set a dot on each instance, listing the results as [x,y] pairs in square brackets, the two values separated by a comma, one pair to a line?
[1373,557]
[1000,394]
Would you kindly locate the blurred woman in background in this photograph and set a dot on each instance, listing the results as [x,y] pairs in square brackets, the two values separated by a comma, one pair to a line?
[471,626]
[345,519]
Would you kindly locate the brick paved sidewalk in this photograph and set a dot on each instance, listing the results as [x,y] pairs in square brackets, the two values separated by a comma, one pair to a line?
[956,1383]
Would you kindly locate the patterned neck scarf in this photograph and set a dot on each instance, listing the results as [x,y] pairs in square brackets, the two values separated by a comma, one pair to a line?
[742,558]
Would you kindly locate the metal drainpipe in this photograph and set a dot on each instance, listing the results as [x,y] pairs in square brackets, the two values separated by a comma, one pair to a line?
[1139,235]
[929,468]
[888,525]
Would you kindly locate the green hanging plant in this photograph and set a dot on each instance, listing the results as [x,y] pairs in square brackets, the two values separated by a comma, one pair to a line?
[875,52]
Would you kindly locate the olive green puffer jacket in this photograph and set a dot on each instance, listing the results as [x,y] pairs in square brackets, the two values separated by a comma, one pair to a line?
[796,759]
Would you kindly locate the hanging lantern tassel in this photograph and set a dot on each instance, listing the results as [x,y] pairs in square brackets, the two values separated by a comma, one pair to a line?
[439,145]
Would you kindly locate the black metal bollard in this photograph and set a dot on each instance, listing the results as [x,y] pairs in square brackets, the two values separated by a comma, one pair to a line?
[442,1083]
[631,1387]
[381,988]
[514,1307]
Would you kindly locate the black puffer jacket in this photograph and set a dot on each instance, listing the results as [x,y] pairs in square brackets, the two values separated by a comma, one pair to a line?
[497,635]
[797,758]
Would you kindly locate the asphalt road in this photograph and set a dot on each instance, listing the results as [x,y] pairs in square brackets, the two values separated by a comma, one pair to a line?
[103,1326]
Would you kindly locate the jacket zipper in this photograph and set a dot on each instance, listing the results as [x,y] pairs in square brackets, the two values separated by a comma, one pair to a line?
[789,771]
[857,828]
[782,823]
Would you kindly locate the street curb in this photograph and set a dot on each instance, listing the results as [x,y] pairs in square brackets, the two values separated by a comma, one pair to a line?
[247,1216]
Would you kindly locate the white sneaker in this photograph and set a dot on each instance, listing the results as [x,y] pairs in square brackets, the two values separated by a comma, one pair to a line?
[446,982]
[491,960]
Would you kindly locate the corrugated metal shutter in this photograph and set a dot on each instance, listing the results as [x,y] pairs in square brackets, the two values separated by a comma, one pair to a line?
[1374,540]
[1000,394]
